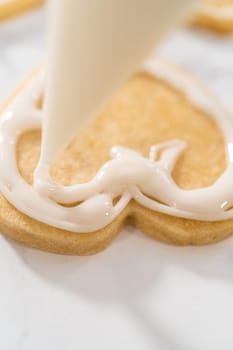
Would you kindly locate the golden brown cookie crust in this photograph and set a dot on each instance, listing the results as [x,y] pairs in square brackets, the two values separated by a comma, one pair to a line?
[12,8]
[144,112]
[211,17]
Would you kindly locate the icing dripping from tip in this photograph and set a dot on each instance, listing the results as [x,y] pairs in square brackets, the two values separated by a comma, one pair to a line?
[127,175]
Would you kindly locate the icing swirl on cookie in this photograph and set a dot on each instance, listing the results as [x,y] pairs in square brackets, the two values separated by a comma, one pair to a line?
[128,175]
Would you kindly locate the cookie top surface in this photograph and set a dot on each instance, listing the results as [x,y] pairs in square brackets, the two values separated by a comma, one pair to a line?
[146,111]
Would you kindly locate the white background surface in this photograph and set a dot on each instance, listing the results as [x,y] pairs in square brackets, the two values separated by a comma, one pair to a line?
[139,294]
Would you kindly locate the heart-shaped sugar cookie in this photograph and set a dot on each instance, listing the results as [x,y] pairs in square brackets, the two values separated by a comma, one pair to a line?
[141,161]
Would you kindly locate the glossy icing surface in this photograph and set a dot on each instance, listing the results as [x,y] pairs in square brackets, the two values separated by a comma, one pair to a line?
[127,175]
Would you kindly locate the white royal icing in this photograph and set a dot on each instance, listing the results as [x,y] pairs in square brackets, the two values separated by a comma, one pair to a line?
[127,175]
